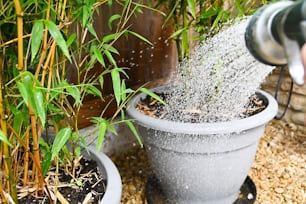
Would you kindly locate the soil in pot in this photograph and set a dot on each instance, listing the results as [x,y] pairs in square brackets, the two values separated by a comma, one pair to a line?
[91,187]
[151,107]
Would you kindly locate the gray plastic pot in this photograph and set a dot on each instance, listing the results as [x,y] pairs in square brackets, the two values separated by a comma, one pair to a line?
[110,172]
[202,162]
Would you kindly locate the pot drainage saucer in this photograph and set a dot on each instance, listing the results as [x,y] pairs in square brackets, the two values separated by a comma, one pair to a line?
[154,193]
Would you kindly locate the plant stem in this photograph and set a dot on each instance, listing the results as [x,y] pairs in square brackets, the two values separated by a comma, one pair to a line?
[5,148]
[19,14]
[39,180]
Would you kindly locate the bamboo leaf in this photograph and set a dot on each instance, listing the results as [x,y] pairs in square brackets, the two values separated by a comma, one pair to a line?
[70,40]
[101,81]
[90,89]
[152,94]
[192,8]
[115,74]
[109,37]
[46,162]
[177,33]
[112,18]
[140,37]
[19,117]
[110,58]
[58,37]
[75,93]
[4,139]
[85,15]
[60,140]
[123,90]
[40,107]
[102,130]
[25,87]
[92,30]
[98,55]
[134,131]
[37,35]
[110,49]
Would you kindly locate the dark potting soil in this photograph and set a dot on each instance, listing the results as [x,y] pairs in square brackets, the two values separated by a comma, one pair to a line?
[151,107]
[92,183]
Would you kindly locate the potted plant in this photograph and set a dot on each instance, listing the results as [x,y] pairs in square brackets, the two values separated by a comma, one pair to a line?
[40,42]
[200,146]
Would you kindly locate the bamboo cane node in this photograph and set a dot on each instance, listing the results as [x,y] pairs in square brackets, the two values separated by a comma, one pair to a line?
[35,149]
[20,15]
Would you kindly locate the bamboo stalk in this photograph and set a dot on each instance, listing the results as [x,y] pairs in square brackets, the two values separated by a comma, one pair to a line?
[19,14]
[45,44]
[26,158]
[7,161]
[13,40]
[39,180]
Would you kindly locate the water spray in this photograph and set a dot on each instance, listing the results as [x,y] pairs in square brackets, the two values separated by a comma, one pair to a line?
[276,33]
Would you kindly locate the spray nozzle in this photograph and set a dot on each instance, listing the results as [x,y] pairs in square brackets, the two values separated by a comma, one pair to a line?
[276,33]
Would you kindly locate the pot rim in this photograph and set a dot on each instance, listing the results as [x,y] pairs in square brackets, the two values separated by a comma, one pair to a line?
[113,191]
[237,125]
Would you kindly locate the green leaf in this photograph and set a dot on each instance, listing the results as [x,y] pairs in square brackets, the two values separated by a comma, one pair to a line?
[109,37]
[23,88]
[116,80]
[209,13]
[92,30]
[102,130]
[134,131]
[58,37]
[177,33]
[110,48]
[101,81]
[37,35]
[75,93]
[98,55]
[4,139]
[67,153]
[46,162]
[112,18]
[90,89]
[123,90]
[85,15]
[60,140]
[70,40]
[79,182]
[140,37]
[26,90]
[40,107]
[77,151]
[152,94]
[110,58]
[19,117]
[192,8]
[109,2]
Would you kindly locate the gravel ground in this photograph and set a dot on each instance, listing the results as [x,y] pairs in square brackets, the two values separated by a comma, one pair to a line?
[279,170]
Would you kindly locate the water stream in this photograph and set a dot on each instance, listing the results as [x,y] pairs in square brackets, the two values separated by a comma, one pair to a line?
[218,79]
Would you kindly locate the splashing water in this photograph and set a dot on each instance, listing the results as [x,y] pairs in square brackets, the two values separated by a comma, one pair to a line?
[216,82]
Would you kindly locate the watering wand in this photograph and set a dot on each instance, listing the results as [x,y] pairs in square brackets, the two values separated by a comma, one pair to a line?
[276,34]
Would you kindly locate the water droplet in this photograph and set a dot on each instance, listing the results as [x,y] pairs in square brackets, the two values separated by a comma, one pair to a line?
[217,80]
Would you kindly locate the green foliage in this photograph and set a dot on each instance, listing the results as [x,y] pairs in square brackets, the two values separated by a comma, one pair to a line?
[37,96]
[194,20]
